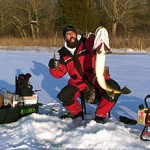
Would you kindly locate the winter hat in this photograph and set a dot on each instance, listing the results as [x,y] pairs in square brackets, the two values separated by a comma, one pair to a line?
[69,28]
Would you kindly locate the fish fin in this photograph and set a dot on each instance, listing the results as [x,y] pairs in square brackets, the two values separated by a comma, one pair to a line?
[111,94]
[94,79]
[125,90]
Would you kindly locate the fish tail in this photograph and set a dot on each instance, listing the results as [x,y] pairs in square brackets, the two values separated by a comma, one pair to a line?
[125,90]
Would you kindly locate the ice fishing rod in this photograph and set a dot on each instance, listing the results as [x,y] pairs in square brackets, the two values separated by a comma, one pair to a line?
[54,55]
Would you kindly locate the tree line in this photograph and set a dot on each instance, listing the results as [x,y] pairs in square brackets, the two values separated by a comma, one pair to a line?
[46,18]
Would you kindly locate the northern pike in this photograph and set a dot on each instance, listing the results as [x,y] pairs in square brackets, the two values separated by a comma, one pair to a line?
[102,36]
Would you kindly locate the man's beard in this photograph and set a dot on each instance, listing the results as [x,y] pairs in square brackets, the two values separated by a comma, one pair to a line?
[72,44]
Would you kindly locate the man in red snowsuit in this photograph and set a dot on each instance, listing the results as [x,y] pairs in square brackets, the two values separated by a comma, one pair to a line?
[77,58]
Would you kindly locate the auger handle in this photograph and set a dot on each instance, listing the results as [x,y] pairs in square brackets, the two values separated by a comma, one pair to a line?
[145,100]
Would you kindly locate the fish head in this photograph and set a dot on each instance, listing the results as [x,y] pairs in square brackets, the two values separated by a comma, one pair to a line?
[103,49]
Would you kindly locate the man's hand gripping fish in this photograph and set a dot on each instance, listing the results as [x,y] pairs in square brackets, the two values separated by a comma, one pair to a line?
[101,44]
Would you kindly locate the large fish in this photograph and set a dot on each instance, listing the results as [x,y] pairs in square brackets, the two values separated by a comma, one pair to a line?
[103,40]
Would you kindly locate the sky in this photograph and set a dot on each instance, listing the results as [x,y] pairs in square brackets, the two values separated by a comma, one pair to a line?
[45,130]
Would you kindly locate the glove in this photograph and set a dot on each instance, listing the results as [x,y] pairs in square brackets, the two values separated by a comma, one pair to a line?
[53,63]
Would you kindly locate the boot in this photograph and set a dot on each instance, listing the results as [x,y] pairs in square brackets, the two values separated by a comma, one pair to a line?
[127,120]
[70,115]
[99,119]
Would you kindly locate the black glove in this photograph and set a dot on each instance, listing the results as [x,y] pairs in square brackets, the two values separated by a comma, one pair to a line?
[53,63]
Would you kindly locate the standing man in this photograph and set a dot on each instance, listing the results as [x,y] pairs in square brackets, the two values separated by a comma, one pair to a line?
[77,58]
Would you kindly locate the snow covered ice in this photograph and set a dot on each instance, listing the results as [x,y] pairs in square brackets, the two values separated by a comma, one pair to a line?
[47,131]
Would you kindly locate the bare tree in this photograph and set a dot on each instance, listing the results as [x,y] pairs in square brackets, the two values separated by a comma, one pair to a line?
[121,12]
[19,25]
[5,16]
[35,9]
[27,17]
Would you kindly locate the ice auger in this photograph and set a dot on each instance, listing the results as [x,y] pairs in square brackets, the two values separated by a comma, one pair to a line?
[144,118]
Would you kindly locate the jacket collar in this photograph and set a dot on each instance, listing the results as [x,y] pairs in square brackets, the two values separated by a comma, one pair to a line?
[67,51]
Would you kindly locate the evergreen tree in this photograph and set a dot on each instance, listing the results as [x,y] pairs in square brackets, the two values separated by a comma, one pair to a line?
[80,13]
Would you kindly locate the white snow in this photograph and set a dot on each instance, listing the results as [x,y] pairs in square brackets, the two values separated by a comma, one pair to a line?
[47,131]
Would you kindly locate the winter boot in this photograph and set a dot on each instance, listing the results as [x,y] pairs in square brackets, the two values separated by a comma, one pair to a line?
[127,120]
[70,115]
[99,119]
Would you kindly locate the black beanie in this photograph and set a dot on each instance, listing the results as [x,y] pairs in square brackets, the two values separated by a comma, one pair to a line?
[69,28]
